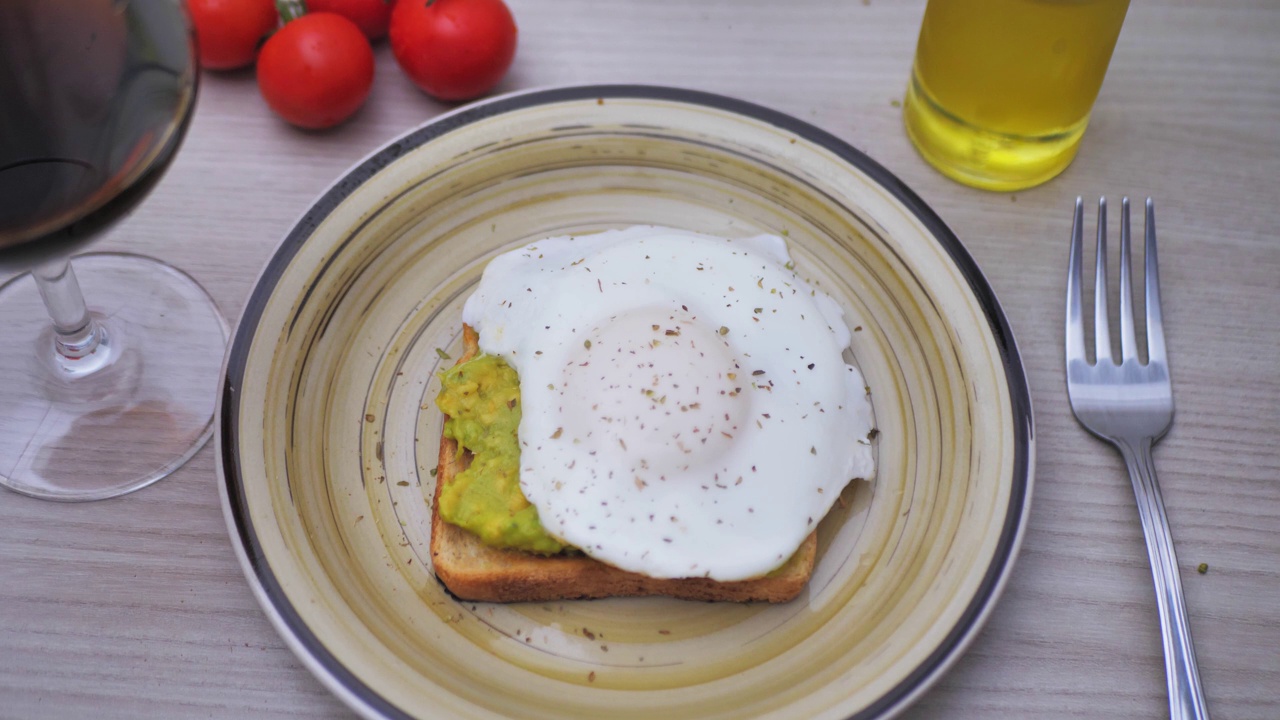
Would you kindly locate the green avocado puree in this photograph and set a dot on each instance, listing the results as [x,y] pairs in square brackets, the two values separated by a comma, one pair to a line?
[482,399]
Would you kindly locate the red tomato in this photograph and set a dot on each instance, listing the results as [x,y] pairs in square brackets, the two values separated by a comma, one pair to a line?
[228,31]
[453,49]
[316,71]
[371,16]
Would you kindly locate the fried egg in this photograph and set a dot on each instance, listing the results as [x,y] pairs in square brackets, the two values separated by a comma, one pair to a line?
[687,410]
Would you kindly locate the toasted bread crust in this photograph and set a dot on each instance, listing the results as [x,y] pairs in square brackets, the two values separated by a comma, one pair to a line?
[472,570]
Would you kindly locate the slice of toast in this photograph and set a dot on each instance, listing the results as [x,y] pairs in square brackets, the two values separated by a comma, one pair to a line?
[472,570]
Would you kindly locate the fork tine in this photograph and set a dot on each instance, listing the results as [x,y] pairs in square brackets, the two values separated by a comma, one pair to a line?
[1155,323]
[1075,322]
[1128,337]
[1101,326]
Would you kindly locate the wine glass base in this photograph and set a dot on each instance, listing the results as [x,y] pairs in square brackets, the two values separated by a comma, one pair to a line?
[125,418]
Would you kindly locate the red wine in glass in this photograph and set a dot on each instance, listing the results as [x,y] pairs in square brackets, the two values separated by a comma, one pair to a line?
[107,372]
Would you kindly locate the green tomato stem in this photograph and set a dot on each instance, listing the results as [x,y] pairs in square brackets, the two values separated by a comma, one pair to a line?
[290,10]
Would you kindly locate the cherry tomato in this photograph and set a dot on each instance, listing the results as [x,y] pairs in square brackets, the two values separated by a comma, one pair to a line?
[228,31]
[371,16]
[316,71]
[453,49]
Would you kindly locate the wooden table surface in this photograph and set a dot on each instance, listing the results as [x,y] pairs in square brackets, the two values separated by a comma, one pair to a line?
[136,607]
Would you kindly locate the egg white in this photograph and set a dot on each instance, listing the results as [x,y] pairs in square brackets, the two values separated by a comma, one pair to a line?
[686,408]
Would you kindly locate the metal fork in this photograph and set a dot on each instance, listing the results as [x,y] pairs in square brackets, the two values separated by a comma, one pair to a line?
[1130,405]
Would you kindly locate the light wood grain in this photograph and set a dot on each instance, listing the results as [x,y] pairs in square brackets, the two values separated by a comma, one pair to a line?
[136,608]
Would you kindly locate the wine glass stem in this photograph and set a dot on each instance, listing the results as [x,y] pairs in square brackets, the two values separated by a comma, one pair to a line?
[78,334]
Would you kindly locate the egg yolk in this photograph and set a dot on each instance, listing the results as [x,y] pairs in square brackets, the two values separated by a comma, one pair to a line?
[657,388]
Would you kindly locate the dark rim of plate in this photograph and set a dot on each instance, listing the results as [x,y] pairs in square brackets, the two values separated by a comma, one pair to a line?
[237,360]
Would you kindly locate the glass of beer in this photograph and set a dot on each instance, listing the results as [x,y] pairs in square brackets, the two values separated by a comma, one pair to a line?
[1001,91]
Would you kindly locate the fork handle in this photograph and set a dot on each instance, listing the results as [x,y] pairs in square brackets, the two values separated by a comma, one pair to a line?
[1186,698]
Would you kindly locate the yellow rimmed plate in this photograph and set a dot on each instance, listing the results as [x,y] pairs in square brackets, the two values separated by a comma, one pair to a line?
[327,434]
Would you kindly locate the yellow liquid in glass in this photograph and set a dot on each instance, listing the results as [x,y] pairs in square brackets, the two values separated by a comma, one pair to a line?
[1002,89]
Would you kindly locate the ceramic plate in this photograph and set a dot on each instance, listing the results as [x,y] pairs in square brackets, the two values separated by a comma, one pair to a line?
[328,434]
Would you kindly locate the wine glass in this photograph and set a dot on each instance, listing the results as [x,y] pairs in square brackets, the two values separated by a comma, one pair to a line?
[95,98]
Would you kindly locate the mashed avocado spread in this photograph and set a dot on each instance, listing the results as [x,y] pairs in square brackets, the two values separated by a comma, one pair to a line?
[482,399]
